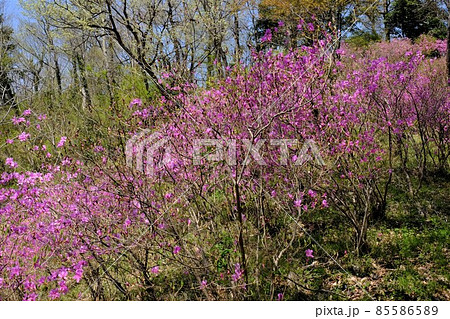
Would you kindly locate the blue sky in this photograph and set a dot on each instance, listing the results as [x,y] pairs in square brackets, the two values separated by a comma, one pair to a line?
[13,12]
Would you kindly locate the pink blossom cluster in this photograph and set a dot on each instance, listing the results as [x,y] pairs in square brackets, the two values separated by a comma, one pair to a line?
[72,223]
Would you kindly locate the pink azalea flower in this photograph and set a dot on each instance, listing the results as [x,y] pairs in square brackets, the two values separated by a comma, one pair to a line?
[168,195]
[238,272]
[15,271]
[98,149]
[155,270]
[29,285]
[17,120]
[137,102]
[10,162]
[63,273]
[309,253]
[26,112]
[31,297]
[161,226]
[54,294]
[176,250]
[312,193]
[62,141]
[78,274]
[23,136]
[63,287]
[267,36]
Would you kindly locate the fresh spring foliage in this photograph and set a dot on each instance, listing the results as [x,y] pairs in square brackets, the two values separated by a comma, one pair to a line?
[101,230]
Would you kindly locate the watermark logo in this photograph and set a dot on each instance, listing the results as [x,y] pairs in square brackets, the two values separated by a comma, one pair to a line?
[142,149]
[152,151]
[226,150]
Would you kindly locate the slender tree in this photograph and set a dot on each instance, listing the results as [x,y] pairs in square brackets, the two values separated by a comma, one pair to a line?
[448,41]
[412,18]
[6,49]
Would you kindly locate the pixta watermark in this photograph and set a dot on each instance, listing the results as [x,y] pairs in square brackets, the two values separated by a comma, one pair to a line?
[141,151]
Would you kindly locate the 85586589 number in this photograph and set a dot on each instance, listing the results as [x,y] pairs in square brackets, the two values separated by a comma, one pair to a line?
[406,310]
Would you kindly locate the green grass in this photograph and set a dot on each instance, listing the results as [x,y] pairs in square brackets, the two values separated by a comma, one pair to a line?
[408,257]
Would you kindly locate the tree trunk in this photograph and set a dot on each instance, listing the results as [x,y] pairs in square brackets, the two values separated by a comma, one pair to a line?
[74,72]
[57,72]
[7,94]
[86,101]
[108,56]
[387,31]
[448,44]
[237,50]
[54,56]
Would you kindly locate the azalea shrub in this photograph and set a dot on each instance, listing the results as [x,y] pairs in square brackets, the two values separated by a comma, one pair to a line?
[218,207]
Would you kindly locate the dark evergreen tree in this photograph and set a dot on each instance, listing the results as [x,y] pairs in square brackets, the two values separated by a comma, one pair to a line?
[6,48]
[412,18]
